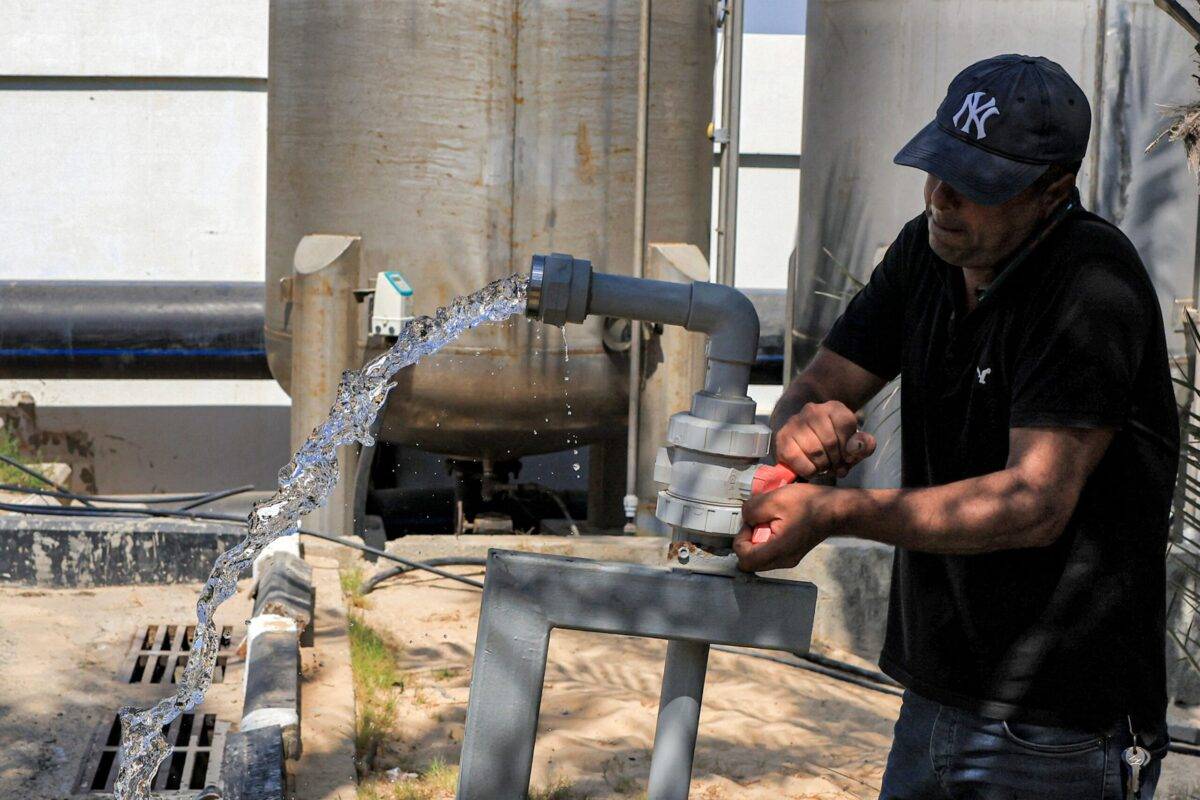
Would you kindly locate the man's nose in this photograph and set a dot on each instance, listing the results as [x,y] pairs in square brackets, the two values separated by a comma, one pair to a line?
[944,195]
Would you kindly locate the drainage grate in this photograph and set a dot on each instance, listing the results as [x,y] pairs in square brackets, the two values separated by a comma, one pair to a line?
[197,740]
[160,652]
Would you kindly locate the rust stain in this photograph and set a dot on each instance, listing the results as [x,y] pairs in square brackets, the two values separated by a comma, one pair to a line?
[586,167]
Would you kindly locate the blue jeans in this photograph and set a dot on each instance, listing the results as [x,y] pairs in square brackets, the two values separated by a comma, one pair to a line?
[944,753]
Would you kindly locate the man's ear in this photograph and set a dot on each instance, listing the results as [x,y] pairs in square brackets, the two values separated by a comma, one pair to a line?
[1057,193]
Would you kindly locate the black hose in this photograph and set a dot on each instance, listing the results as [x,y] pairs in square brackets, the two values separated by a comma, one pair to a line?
[212,497]
[847,673]
[100,498]
[1185,749]
[33,473]
[384,554]
[370,584]
[862,672]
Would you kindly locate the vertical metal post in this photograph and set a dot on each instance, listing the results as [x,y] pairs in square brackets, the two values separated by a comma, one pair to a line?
[324,327]
[506,692]
[678,720]
[639,256]
[731,115]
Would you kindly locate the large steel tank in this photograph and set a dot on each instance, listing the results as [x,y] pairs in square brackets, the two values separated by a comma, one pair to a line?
[459,138]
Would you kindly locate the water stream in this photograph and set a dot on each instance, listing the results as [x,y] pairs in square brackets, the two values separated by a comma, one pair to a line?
[304,484]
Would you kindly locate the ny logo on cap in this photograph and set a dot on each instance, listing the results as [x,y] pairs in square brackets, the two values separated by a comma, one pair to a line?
[977,113]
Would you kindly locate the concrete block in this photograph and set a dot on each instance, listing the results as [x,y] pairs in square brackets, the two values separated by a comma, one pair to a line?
[272,680]
[285,588]
[252,765]
[70,552]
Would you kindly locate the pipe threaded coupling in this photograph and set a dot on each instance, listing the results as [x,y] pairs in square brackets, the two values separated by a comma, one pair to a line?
[558,288]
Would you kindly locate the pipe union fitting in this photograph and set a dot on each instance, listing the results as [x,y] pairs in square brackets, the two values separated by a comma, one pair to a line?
[558,288]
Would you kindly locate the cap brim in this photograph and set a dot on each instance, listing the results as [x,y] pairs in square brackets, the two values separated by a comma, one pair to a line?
[980,176]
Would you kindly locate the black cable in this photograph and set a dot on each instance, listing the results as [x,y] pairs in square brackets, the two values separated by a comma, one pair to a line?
[371,583]
[221,494]
[1184,749]
[63,493]
[33,473]
[862,672]
[844,673]
[100,498]
[384,554]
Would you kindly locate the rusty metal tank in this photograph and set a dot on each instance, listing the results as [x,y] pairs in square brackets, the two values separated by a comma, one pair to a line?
[460,137]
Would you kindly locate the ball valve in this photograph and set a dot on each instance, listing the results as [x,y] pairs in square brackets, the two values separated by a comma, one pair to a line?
[712,460]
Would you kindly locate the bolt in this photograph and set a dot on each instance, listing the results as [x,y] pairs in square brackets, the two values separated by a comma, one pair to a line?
[684,555]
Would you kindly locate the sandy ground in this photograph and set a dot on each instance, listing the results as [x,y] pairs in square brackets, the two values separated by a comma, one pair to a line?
[326,770]
[767,730]
[59,655]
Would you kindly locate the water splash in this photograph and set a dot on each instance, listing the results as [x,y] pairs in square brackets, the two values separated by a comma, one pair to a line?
[304,484]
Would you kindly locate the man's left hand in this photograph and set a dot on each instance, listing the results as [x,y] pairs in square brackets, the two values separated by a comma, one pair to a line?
[799,520]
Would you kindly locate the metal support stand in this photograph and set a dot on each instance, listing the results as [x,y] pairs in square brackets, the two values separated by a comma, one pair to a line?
[527,595]
[325,344]
[678,720]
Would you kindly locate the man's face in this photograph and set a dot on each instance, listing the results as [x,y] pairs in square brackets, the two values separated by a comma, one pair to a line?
[973,236]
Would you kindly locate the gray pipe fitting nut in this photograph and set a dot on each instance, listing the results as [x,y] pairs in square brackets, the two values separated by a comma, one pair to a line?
[711,518]
[558,288]
[752,441]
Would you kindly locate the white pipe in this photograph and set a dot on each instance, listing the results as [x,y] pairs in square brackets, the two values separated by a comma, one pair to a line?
[639,255]
[731,115]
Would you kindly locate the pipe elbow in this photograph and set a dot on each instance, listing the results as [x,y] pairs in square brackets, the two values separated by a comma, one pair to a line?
[729,319]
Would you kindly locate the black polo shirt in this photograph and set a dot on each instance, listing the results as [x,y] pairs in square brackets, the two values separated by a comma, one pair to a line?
[1070,336]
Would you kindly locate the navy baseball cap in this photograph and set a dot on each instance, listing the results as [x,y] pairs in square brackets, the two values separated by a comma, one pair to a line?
[1004,121]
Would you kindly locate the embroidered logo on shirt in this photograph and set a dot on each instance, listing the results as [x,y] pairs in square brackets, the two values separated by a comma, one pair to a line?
[983,375]
[977,113]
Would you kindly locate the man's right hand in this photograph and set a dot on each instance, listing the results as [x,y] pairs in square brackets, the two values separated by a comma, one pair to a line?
[822,438]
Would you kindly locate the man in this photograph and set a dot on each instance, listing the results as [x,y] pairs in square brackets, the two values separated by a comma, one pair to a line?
[1040,444]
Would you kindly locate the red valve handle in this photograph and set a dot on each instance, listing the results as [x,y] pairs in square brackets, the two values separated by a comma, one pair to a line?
[768,478]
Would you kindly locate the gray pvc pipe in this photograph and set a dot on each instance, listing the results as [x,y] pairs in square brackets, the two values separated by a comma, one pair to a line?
[678,720]
[565,289]
[639,298]
[723,313]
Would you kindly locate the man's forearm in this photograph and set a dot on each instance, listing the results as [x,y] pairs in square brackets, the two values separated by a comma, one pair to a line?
[998,511]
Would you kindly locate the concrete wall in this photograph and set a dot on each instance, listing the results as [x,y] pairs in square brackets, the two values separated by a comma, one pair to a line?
[134,148]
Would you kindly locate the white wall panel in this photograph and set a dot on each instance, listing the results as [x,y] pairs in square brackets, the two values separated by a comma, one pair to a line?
[217,38]
[768,207]
[766,228]
[772,93]
[132,184]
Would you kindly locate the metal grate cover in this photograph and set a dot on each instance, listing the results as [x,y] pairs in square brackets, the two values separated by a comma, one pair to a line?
[160,652]
[197,740]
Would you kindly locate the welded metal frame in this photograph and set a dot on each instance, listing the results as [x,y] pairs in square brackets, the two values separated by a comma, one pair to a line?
[527,595]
